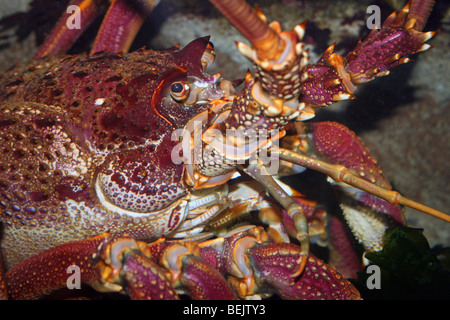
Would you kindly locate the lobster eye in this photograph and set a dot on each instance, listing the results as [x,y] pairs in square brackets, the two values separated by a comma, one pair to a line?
[179,91]
[177,87]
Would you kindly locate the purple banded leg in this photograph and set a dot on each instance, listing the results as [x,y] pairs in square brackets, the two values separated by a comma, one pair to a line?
[315,216]
[118,30]
[293,209]
[62,37]
[121,24]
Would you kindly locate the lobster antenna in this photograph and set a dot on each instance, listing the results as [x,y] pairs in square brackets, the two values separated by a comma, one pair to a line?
[266,41]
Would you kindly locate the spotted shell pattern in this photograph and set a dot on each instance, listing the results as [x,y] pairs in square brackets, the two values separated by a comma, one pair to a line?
[86,146]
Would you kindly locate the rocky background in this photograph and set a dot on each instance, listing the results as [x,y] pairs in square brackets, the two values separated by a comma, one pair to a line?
[403,118]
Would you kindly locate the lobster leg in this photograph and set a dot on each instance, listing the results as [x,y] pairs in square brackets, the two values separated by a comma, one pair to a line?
[280,224]
[191,272]
[245,197]
[254,264]
[152,271]
[142,270]
[129,15]
[272,262]
[41,274]
[323,230]
[143,279]
[294,210]
[61,38]
[123,267]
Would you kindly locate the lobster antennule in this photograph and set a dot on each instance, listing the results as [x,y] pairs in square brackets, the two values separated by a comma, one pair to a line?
[267,43]
[340,173]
